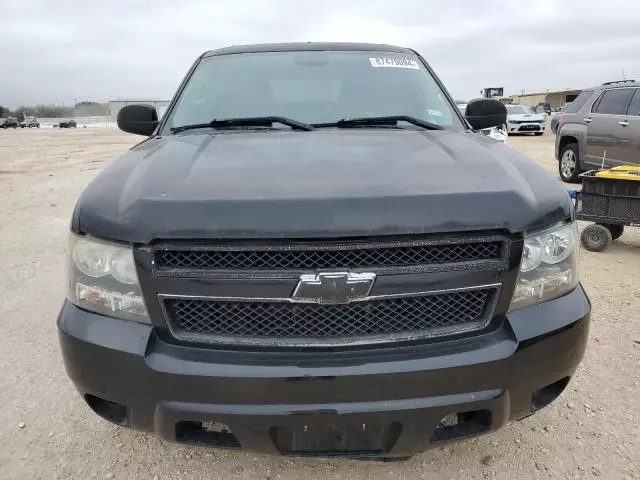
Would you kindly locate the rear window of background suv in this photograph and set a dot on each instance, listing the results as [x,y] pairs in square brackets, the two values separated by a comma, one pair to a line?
[580,100]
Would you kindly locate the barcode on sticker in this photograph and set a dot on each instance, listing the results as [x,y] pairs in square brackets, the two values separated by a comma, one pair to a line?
[388,62]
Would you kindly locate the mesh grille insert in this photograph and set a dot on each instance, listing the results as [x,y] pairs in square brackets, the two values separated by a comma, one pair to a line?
[327,256]
[443,312]
[614,207]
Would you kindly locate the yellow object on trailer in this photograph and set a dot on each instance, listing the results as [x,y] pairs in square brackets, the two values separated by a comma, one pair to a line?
[623,172]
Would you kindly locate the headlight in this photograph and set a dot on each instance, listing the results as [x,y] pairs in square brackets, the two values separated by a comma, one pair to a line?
[103,279]
[549,266]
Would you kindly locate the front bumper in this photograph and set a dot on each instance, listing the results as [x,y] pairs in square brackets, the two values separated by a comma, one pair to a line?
[269,401]
[525,127]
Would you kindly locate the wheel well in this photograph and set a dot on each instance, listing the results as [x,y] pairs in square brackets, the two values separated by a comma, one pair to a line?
[564,141]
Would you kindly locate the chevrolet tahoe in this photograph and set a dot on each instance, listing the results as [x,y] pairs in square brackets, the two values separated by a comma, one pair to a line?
[314,252]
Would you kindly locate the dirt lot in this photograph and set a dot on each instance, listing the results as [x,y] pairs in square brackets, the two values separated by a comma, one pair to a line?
[46,431]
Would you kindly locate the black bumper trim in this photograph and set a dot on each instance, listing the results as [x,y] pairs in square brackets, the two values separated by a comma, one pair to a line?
[162,384]
[346,408]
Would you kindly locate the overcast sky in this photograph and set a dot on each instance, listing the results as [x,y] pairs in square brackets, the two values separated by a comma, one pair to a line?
[55,51]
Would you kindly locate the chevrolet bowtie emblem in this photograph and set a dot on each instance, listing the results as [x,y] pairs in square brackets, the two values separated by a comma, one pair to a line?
[333,287]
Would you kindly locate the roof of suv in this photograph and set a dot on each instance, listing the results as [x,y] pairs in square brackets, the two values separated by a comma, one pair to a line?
[307,46]
[616,83]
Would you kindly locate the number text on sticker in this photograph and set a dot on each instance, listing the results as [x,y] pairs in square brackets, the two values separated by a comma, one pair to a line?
[387,62]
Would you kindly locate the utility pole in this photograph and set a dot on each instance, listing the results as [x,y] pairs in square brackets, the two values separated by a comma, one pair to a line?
[623,77]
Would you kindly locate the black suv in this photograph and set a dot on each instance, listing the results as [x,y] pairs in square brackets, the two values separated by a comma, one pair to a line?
[600,128]
[8,123]
[67,124]
[314,253]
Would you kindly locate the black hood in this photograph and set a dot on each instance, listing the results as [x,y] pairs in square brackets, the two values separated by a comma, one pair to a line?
[324,183]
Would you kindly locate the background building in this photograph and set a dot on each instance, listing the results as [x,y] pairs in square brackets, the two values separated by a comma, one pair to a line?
[557,99]
[116,105]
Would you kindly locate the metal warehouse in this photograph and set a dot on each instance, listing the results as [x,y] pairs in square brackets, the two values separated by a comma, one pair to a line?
[557,99]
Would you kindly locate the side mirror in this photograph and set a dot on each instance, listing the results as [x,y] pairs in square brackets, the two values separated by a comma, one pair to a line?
[138,119]
[484,113]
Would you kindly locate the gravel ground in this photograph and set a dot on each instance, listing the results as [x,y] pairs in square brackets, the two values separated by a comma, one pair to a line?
[46,431]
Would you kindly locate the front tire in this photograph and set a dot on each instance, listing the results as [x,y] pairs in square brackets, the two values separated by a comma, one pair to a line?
[537,134]
[569,164]
[596,238]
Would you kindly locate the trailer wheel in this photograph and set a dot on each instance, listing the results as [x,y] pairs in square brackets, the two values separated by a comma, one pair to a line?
[596,238]
[615,229]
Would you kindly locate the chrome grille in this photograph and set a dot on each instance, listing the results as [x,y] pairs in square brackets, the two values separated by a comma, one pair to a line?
[281,321]
[325,255]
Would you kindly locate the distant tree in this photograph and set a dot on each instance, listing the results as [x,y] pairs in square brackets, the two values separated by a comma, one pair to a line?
[2,109]
[82,109]
[46,111]
[21,112]
[87,109]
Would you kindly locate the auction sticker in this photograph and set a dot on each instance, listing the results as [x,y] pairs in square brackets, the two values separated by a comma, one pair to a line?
[390,62]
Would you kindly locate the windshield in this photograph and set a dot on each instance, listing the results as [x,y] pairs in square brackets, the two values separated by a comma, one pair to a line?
[518,110]
[313,87]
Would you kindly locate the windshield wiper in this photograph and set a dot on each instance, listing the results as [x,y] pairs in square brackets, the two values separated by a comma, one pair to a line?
[246,122]
[391,120]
